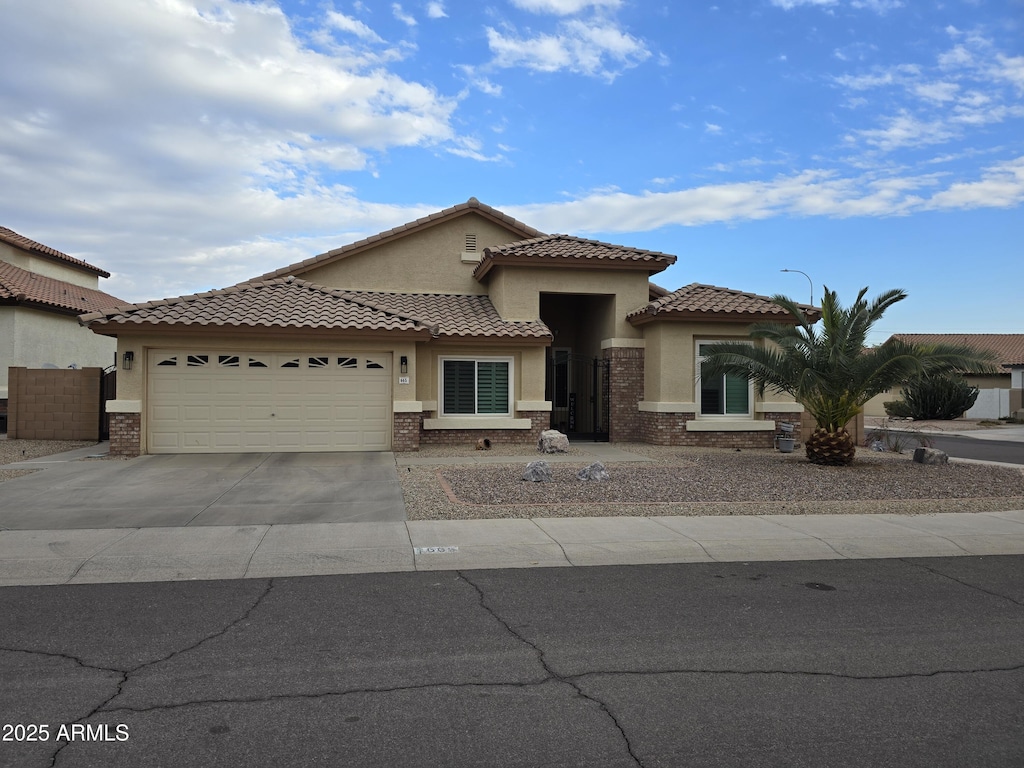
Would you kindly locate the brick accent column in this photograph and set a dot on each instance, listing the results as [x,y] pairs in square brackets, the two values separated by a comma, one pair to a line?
[625,391]
[406,434]
[125,434]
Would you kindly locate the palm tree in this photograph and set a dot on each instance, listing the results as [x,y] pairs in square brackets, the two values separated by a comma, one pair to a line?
[828,370]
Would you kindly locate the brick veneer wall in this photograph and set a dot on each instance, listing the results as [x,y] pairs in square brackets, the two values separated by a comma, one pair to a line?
[625,391]
[125,434]
[540,420]
[53,404]
[670,429]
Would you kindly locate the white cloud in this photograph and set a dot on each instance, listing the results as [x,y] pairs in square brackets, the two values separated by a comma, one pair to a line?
[878,6]
[938,91]
[1010,68]
[400,14]
[353,26]
[712,128]
[905,130]
[596,48]
[1001,186]
[206,123]
[806,193]
[965,89]
[564,7]
[788,5]
[435,10]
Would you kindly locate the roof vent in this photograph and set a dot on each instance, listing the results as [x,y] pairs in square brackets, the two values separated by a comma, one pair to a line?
[471,242]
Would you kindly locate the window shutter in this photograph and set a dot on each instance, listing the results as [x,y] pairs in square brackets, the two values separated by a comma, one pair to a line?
[492,387]
[459,386]
[737,395]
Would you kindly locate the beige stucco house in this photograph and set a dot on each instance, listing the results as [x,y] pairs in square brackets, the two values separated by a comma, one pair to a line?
[42,292]
[462,325]
[999,395]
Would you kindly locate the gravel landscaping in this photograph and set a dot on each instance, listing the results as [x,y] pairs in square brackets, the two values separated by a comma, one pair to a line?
[23,450]
[705,482]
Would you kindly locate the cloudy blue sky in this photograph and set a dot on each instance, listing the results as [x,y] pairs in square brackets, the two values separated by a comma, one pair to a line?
[189,144]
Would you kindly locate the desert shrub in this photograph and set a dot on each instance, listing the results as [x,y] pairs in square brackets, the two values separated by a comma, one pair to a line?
[938,397]
[897,409]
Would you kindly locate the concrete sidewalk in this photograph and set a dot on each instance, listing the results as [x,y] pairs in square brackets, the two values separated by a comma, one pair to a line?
[260,551]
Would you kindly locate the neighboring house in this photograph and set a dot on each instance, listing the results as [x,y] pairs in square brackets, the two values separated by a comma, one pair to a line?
[462,325]
[999,394]
[42,292]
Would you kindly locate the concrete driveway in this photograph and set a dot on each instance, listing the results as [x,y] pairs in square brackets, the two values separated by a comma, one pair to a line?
[205,489]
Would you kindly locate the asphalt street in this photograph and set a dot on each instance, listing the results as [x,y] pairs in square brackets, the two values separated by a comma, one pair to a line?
[915,662]
[966,447]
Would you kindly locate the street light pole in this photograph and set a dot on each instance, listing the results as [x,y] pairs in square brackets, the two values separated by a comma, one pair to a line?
[808,280]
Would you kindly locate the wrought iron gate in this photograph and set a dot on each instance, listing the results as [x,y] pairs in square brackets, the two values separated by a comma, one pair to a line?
[577,387]
[108,391]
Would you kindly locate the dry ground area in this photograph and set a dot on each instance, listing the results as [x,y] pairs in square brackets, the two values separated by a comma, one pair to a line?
[22,450]
[683,481]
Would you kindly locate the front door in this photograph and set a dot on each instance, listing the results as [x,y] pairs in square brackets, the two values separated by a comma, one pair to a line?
[577,387]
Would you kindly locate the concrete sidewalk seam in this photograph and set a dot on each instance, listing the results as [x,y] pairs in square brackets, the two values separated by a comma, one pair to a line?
[698,542]
[248,564]
[131,532]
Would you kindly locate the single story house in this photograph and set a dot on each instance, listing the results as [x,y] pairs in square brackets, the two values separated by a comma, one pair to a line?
[461,325]
[999,395]
[42,293]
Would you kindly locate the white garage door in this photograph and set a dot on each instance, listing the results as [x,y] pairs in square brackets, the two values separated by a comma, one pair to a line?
[245,402]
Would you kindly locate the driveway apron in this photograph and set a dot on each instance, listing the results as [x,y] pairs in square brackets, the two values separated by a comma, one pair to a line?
[206,489]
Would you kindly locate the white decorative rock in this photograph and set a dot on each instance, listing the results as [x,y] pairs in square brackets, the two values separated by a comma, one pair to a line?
[553,441]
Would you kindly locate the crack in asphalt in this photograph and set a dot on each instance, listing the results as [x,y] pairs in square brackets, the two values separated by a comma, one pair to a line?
[127,673]
[967,584]
[552,674]
[313,696]
[793,673]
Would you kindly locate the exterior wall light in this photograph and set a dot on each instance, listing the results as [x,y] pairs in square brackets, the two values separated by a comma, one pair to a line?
[404,364]
[127,360]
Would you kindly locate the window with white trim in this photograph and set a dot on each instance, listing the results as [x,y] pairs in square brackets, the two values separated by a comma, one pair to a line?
[476,387]
[724,395]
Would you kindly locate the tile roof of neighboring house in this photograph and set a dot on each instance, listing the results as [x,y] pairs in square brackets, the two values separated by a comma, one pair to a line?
[696,301]
[566,250]
[289,302]
[1007,347]
[20,241]
[21,287]
[448,213]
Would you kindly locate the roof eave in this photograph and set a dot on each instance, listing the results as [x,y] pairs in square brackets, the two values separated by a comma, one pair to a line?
[487,263]
[116,329]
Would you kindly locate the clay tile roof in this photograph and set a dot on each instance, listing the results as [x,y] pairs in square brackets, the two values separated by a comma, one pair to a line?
[19,286]
[448,213]
[294,303]
[20,241]
[454,315]
[696,301]
[566,250]
[1008,348]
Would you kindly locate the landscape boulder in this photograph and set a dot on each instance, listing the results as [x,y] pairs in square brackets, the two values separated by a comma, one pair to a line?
[930,456]
[538,472]
[595,471]
[553,441]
